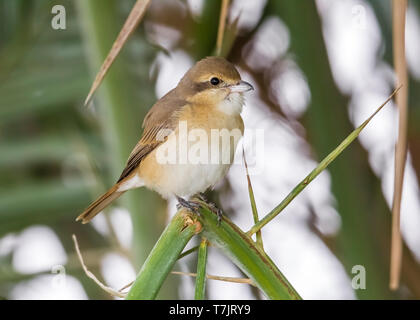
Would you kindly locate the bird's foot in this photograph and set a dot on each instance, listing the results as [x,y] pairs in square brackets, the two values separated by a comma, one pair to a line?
[190,205]
[211,206]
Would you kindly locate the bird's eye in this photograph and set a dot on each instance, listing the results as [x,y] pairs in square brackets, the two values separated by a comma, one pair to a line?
[214,81]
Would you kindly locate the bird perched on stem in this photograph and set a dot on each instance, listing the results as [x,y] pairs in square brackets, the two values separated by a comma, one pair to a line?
[189,139]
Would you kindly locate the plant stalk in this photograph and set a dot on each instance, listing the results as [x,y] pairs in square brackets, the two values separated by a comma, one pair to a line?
[200,281]
[244,252]
[399,9]
[163,256]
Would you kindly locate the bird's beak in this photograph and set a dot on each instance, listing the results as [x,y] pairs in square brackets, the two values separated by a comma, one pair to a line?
[241,86]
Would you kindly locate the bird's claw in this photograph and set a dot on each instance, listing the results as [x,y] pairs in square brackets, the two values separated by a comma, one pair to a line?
[189,205]
[212,207]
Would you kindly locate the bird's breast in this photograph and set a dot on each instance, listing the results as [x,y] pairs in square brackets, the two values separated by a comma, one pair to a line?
[223,115]
[196,155]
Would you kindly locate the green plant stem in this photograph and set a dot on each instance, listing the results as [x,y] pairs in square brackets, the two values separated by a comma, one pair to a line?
[243,251]
[200,281]
[253,203]
[188,252]
[255,215]
[207,24]
[162,257]
[321,167]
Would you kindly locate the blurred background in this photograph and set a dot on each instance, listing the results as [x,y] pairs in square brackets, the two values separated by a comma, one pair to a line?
[319,68]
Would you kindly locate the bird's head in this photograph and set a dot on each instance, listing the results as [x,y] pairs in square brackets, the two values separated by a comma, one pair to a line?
[213,80]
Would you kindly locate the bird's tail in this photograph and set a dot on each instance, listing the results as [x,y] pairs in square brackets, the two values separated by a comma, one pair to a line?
[99,204]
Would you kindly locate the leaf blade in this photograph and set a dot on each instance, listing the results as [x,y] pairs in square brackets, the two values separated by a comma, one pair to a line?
[314,173]
[133,20]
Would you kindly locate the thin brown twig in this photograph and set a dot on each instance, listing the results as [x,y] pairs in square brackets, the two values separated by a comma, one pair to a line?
[222,25]
[208,276]
[130,25]
[126,286]
[92,276]
[399,9]
[226,279]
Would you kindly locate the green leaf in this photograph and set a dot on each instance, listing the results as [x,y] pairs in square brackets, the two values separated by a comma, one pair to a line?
[200,281]
[253,203]
[163,256]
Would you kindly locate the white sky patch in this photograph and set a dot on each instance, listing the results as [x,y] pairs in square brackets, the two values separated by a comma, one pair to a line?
[196,7]
[171,69]
[309,265]
[123,226]
[117,270]
[219,265]
[46,287]
[39,249]
[268,45]
[100,224]
[352,36]
[291,89]
[412,41]
[8,243]
[249,12]
[165,36]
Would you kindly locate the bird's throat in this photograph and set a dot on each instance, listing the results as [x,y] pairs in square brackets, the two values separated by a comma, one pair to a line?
[232,104]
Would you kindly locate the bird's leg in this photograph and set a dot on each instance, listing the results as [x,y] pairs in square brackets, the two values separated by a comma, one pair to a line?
[211,206]
[190,205]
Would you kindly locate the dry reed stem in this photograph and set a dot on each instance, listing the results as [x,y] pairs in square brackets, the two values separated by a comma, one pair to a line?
[253,203]
[92,276]
[222,25]
[208,276]
[130,25]
[399,9]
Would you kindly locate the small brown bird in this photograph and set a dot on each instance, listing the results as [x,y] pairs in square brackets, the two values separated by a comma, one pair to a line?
[187,144]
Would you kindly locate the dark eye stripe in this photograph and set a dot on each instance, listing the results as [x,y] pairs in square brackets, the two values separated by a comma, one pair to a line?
[201,86]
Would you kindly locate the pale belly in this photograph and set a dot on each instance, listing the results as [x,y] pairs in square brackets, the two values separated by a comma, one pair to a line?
[188,179]
[185,170]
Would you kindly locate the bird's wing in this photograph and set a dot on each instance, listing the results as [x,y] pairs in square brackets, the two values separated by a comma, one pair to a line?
[162,116]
